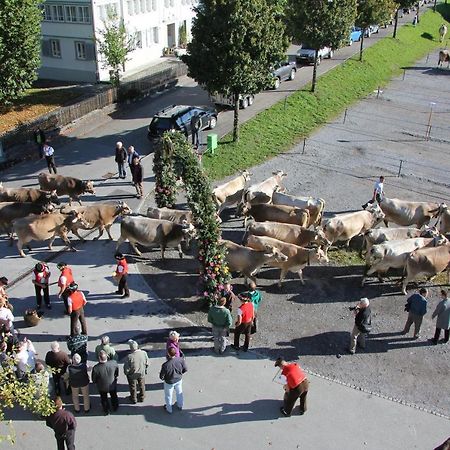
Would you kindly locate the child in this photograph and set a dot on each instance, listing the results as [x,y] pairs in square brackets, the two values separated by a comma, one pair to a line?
[255,298]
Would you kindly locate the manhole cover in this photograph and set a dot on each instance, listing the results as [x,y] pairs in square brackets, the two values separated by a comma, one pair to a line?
[108,175]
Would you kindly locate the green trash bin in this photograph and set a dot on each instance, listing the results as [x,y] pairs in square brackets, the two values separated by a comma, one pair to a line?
[211,143]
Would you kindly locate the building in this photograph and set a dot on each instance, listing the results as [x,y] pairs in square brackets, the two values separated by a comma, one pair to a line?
[70,29]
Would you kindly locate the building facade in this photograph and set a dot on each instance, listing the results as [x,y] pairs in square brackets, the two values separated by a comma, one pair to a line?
[70,29]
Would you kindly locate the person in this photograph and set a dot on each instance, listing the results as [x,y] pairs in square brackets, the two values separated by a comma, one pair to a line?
[415,19]
[79,382]
[172,374]
[195,129]
[363,324]
[64,280]
[49,153]
[137,175]
[220,319]
[174,342]
[25,359]
[378,193]
[132,153]
[121,275]
[135,369]
[442,312]
[296,386]
[3,284]
[104,375]
[41,377]
[107,348]
[255,298]
[64,425]
[78,344]
[243,325]
[230,296]
[41,274]
[5,356]
[76,302]
[59,361]
[416,306]
[6,316]
[39,138]
[120,158]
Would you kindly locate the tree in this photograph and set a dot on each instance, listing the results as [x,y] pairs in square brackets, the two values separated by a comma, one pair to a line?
[370,12]
[234,44]
[400,5]
[114,45]
[20,31]
[321,23]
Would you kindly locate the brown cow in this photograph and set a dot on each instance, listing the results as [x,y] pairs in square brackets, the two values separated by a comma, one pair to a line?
[444,227]
[230,193]
[174,215]
[444,56]
[73,187]
[277,213]
[25,195]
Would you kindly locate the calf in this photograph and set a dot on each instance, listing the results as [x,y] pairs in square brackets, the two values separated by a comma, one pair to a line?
[230,193]
[174,215]
[277,213]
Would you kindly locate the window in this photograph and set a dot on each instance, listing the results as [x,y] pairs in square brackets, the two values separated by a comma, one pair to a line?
[154,5]
[172,3]
[137,7]
[47,13]
[130,7]
[155,35]
[138,39]
[80,50]
[55,48]
[77,14]
[57,13]
[71,13]
[148,5]
[166,3]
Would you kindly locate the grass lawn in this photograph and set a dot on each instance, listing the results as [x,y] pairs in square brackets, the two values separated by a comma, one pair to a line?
[279,128]
[35,103]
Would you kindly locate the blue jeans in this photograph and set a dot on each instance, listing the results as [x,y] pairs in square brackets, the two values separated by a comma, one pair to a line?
[168,392]
[121,169]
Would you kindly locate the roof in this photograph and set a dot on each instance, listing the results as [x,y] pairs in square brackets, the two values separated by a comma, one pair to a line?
[173,110]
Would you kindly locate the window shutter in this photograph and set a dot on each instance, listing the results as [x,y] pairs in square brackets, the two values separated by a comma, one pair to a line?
[46,48]
[90,52]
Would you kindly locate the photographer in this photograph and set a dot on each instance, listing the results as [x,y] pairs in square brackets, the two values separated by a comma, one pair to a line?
[363,325]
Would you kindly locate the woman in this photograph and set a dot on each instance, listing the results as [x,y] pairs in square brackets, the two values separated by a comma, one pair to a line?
[173,342]
[79,381]
[25,359]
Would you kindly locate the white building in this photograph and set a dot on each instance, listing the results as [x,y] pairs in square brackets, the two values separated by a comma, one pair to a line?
[70,29]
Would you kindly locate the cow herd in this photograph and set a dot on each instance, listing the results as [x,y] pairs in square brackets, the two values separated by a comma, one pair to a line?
[281,230]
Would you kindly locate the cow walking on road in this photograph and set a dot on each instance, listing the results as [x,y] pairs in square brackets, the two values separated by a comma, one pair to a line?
[442,32]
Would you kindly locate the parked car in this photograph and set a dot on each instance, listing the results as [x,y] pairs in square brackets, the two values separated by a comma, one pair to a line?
[245,100]
[179,118]
[282,72]
[306,54]
[372,29]
[355,35]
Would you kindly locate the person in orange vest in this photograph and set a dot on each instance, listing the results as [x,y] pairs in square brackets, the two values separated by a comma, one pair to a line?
[41,275]
[76,301]
[64,280]
[243,325]
[121,275]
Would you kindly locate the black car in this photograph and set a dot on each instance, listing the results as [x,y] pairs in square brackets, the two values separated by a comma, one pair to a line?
[181,118]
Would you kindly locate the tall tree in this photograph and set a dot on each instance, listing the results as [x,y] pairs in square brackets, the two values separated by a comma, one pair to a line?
[370,12]
[234,44]
[20,31]
[400,5]
[321,23]
[114,45]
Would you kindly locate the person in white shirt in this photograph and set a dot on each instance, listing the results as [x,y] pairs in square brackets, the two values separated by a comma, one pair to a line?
[49,153]
[6,316]
[378,193]
[25,358]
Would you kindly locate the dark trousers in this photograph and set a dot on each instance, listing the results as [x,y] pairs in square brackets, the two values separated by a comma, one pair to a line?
[76,316]
[123,286]
[371,202]
[68,439]
[291,397]
[105,402]
[135,385]
[65,296]
[245,329]
[195,138]
[51,164]
[437,335]
[121,169]
[57,383]
[39,290]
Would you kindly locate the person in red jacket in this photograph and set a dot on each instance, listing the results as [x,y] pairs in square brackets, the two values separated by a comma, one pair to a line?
[64,280]
[243,325]
[296,386]
[76,302]
[121,275]
[41,274]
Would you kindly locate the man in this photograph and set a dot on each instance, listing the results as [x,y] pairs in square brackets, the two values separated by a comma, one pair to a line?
[104,375]
[172,374]
[107,348]
[121,275]
[229,295]
[75,303]
[64,425]
[64,280]
[363,325]
[442,312]
[416,305]
[255,298]
[39,138]
[135,369]
[137,175]
[79,382]
[243,325]
[132,153]
[195,129]
[220,319]
[49,153]
[78,344]
[296,386]
[120,158]
[41,274]
[378,193]
[57,360]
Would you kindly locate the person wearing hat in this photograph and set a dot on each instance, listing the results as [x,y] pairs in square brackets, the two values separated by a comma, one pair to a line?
[76,302]
[296,386]
[65,278]
[174,342]
[121,275]
[363,324]
[243,325]
[135,369]
[41,275]
[120,158]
